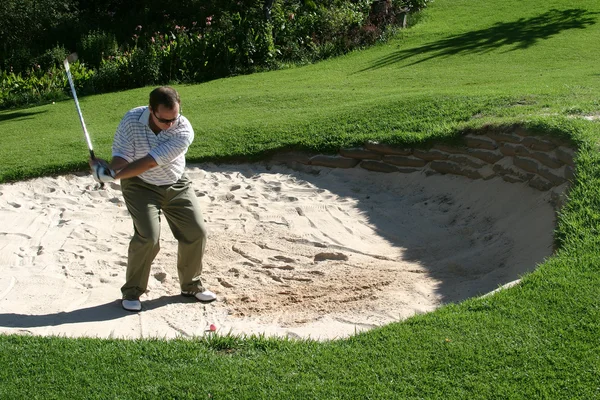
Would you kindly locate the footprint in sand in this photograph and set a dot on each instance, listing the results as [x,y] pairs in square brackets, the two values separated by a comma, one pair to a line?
[283,259]
[283,267]
[161,276]
[224,283]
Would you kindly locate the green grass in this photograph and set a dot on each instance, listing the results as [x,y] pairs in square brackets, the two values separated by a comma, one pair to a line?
[466,64]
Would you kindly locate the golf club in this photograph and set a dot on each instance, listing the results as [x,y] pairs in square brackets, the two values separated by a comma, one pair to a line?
[73,58]
[99,172]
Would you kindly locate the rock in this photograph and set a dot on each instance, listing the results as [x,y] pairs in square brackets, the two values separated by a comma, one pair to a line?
[405,161]
[333,161]
[386,149]
[478,142]
[360,153]
[430,155]
[378,166]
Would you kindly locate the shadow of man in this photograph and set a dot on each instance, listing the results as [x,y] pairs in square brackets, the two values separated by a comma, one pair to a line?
[102,312]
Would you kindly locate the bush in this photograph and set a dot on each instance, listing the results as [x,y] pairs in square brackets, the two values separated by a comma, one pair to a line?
[30,27]
[251,40]
[113,74]
[52,58]
[411,5]
[217,40]
[41,86]
[95,46]
[145,67]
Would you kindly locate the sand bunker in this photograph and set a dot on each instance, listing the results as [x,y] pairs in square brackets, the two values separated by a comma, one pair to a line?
[321,255]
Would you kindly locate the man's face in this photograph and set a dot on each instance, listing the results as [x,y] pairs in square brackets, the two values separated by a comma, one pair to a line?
[164,117]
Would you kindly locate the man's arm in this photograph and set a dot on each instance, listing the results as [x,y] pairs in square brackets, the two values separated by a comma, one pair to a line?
[117,163]
[129,170]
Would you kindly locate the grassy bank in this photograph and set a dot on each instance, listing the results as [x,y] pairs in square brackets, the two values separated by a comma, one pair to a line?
[466,64]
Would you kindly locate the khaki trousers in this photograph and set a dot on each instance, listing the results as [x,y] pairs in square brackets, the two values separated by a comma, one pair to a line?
[180,207]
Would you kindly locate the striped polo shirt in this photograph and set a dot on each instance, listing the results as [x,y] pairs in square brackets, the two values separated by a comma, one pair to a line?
[134,140]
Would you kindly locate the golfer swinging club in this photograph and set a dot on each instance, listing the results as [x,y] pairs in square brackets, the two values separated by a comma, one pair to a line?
[148,156]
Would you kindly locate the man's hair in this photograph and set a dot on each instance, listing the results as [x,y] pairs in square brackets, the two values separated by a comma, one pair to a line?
[164,95]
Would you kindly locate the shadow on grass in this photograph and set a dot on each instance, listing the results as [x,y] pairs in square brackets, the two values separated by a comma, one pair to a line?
[8,115]
[103,312]
[516,35]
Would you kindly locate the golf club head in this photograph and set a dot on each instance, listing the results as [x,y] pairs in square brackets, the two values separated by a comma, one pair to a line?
[70,59]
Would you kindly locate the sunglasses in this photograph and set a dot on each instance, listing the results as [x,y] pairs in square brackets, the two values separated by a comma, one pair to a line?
[166,121]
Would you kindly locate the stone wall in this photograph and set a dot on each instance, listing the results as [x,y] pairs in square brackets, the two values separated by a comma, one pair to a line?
[543,162]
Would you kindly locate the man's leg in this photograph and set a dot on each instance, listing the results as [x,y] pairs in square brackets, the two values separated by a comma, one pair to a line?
[182,211]
[143,203]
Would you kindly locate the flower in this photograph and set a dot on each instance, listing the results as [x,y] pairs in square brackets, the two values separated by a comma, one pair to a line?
[138,28]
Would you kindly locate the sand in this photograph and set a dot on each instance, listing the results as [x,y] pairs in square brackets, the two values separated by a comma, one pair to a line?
[320,253]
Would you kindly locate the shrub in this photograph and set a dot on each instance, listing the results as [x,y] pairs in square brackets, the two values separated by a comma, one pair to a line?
[411,5]
[309,32]
[30,27]
[52,58]
[145,67]
[95,46]
[251,40]
[227,39]
[39,86]
[113,74]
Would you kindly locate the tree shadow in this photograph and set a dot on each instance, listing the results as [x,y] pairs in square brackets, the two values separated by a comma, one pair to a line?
[103,312]
[516,35]
[8,115]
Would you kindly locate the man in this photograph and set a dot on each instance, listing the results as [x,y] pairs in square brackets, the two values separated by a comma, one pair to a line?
[148,156]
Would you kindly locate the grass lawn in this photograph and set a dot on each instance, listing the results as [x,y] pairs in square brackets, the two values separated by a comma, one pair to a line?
[466,64]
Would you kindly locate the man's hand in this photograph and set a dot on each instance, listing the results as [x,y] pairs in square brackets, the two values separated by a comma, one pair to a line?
[95,161]
[102,173]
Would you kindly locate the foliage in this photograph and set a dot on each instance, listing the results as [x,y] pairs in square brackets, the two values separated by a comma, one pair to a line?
[211,41]
[30,27]
[16,89]
[411,4]
[53,57]
[97,45]
[306,32]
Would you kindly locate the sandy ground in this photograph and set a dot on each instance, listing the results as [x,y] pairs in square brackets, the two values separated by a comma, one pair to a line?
[321,254]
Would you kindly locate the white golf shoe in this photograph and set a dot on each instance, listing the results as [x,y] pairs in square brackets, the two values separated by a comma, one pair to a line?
[131,305]
[206,296]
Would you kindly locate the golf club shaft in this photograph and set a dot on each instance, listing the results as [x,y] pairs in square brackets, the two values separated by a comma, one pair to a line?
[87,136]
